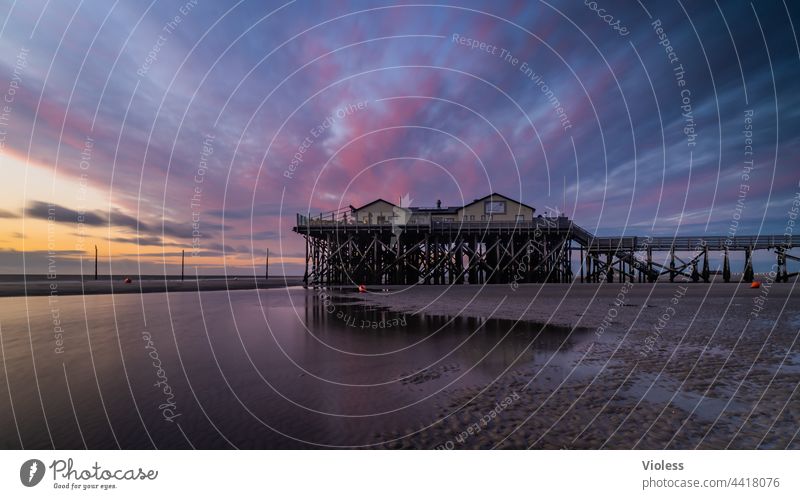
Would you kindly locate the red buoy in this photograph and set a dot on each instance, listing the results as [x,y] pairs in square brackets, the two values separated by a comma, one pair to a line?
[755,284]
[127,280]
[362,288]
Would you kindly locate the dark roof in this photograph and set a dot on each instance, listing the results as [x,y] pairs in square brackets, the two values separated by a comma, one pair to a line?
[443,211]
[496,195]
[371,203]
[449,209]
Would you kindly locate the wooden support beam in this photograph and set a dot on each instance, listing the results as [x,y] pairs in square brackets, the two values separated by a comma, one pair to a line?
[706,270]
[748,275]
[726,267]
[672,272]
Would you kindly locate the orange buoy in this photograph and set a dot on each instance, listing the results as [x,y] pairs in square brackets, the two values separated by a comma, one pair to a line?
[362,288]
[755,284]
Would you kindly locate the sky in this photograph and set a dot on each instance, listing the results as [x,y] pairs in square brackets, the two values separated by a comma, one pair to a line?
[151,128]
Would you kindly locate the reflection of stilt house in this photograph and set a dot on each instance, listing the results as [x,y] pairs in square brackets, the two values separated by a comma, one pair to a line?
[496,239]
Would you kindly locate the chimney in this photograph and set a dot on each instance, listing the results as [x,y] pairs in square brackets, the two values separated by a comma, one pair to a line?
[438,204]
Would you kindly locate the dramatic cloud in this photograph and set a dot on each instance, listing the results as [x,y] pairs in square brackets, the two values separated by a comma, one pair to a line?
[149,233]
[45,211]
[248,115]
[8,214]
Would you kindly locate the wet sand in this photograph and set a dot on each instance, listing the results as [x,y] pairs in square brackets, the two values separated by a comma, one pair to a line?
[667,366]
[65,287]
[656,366]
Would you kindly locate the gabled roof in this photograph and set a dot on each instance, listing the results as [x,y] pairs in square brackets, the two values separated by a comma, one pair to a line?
[371,203]
[447,210]
[496,195]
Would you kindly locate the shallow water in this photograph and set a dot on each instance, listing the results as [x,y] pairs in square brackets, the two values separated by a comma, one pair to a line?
[269,369]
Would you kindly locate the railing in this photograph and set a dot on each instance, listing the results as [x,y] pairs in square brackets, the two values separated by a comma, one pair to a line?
[420,221]
[339,219]
[692,243]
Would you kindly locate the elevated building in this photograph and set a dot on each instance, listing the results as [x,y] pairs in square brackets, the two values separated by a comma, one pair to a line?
[496,239]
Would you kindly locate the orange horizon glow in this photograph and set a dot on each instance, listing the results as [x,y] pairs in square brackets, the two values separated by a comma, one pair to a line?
[23,233]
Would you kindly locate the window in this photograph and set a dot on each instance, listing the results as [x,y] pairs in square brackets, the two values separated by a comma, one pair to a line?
[520,218]
[490,207]
[472,218]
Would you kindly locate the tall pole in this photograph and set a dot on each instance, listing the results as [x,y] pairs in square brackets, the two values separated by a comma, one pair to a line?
[95,262]
[266,272]
[183,257]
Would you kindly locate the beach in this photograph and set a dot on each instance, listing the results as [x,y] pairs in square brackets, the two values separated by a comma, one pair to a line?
[552,366]
[683,365]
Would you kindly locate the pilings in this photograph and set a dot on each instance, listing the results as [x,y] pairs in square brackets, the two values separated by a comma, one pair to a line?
[503,253]
[410,258]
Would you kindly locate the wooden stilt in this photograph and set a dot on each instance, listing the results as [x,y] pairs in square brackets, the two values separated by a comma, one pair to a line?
[726,267]
[672,265]
[748,275]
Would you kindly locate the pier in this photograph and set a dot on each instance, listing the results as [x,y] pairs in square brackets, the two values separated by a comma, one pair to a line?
[382,243]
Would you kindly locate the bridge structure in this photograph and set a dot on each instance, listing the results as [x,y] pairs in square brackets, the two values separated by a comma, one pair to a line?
[340,250]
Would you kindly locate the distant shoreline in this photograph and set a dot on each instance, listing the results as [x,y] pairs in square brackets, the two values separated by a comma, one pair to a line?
[73,285]
[13,285]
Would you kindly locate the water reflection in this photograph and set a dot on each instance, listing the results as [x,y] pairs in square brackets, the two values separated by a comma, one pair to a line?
[273,369]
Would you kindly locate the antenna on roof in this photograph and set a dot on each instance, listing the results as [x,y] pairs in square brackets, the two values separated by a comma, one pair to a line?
[438,203]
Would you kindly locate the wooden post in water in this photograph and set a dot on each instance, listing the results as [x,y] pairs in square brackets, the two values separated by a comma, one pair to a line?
[305,274]
[95,262]
[266,271]
[183,257]
[726,267]
[672,265]
[748,266]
